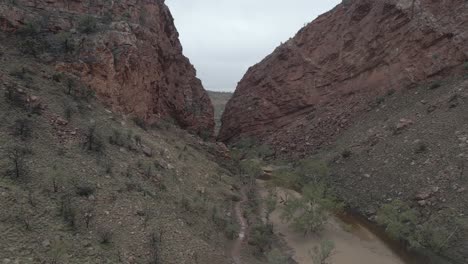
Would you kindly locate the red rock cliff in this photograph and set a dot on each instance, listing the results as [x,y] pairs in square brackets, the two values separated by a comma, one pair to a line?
[127,51]
[311,87]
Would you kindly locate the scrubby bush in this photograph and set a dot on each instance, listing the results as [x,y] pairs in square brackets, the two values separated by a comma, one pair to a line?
[205,134]
[57,77]
[270,205]
[276,257]
[68,211]
[15,98]
[155,240]
[438,233]
[250,170]
[93,140]
[421,147]
[322,252]
[226,224]
[22,128]
[117,138]
[30,29]
[308,214]
[66,42]
[16,156]
[245,143]
[84,189]
[304,172]
[399,220]
[69,111]
[105,235]
[346,153]
[435,85]
[19,73]
[140,122]
[261,236]
[87,25]
[31,46]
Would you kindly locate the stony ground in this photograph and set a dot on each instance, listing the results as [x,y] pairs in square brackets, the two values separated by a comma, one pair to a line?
[410,146]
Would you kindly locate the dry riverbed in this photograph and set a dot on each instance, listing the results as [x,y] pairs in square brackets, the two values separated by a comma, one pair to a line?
[353,244]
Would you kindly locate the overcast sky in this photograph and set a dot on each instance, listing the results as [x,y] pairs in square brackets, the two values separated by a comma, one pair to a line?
[223,38]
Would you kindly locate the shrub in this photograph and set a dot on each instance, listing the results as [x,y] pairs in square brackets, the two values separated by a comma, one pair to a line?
[93,141]
[270,205]
[346,153]
[30,29]
[244,143]
[108,167]
[117,138]
[311,170]
[205,134]
[19,73]
[435,85]
[322,252]
[68,211]
[31,47]
[22,128]
[261,236]
[249,170]
[68,111]
[84,190]
[17,158]
[57,77]
[400,221]
[15,98]
[264,151]
[276,257]
[140,122]
[66,42]
[438,233]
[309,213]
[155,239]
[304,172]
[70,85]
[420,148]
[107,17]
[87,25]
[231,230]
[24,218]
[105,235]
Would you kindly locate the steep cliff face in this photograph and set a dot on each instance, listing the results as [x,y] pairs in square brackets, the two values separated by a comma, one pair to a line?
[128,52]
[312,87]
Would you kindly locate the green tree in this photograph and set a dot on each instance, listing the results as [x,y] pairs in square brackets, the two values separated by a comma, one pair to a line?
[400,221]
[321,253]
[276,257]
[261,236]
[309,213]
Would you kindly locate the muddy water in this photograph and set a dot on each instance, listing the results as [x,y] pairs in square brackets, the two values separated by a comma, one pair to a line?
[355,241]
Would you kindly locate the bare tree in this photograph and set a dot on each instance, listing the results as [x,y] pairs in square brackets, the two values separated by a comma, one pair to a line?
[17,157]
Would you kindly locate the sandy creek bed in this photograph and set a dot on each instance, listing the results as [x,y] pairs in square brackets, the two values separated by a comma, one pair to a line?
[353,244]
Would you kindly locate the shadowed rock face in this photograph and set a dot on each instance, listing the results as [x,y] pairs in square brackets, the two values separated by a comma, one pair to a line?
[133,60]
[311,87]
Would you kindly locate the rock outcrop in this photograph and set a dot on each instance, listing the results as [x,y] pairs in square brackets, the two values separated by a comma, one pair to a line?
[128,52]
[312,87]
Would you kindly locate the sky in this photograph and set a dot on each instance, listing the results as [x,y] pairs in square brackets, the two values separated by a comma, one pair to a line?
[223,38]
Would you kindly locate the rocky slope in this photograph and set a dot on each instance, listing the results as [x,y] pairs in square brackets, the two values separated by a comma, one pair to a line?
[82,184]
[312,87]
[128,52]
[412,147]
